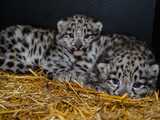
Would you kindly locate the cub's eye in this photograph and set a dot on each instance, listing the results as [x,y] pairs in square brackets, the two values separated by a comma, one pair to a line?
[71,35]
[114,81]
[68,29]
[68,36]
[87,36]
[65,36]
[137,85]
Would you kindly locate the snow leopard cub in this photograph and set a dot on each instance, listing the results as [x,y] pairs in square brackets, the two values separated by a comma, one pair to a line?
[76,33]
[72,54]
[23,47]
[127,66]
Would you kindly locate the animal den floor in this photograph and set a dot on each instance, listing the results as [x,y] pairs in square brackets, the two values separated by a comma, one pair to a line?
[34,97]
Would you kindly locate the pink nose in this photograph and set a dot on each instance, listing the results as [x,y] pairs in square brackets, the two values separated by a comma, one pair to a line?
[120,93]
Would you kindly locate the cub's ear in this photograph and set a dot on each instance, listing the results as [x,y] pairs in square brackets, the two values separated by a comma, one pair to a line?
[154,69]
[98,26]
[62,25]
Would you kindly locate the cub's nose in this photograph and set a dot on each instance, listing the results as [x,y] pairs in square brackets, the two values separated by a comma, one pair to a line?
[120,93]
[78,44]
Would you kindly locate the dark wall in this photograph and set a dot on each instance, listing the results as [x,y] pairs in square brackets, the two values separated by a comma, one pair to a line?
[156,31]
[156,36]
[133,17]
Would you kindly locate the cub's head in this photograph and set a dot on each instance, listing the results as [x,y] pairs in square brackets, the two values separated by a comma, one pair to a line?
[128,74]
[77,32]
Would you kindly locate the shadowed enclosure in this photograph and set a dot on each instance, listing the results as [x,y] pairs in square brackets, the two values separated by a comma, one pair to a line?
[131,17]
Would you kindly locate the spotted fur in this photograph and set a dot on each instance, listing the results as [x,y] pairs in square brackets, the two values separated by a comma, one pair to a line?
[76,33]
[117,64]
[127,66]
[73,54]
[23,47]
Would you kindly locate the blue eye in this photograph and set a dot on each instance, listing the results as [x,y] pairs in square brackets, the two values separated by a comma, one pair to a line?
[137,85]
[115,81]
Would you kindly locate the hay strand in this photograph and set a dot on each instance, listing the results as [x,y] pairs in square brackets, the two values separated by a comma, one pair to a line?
[33,96]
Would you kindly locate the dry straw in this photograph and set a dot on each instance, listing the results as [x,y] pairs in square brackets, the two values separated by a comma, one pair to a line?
[34,97]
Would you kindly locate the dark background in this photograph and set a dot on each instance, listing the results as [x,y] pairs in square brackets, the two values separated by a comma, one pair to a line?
[156,36]
[131,17]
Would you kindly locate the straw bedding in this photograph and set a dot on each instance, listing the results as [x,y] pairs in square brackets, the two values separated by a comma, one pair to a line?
[33,97]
